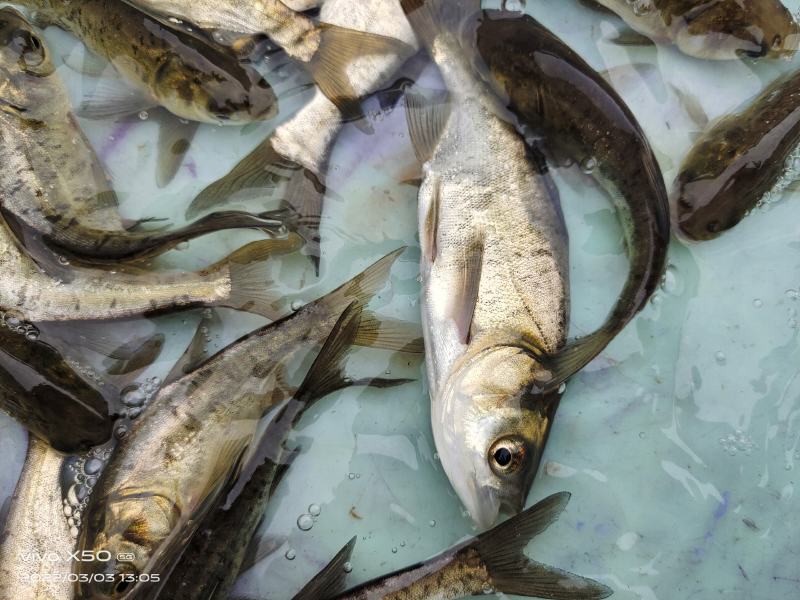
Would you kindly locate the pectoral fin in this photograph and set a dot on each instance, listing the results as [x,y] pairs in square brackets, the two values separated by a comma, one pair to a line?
[113,98]
[427,116]
[174,139]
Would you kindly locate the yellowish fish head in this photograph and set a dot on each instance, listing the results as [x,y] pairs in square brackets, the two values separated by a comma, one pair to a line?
[25,65]
[729,29]
[211,94]
[494,428]
[124,537]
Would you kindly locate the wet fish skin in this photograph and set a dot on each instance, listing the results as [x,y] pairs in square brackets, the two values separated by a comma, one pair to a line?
[492,562]
[557,96]
[193,80]
[324,50]
[300,149]
[495,275]
[161,483]
[738,160]
[48,397]
[33,296]
[37,526]
[715,29]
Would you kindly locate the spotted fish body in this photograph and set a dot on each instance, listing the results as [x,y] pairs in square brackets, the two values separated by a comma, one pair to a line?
[193,80]
[714,29]
[36,531]
[494,275]
[172,466]
[738,161]
[490,563]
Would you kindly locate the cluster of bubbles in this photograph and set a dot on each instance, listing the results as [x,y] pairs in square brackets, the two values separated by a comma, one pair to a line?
[87,372]
[80,478]
[790,175]
[738,442]
[15,323]
[135,397]
[306,521]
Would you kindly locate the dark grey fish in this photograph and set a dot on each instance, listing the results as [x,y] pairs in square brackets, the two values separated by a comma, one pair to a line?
[739,160]
[559,97]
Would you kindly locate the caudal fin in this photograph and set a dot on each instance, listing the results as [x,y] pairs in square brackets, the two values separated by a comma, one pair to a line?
[511,572]
[250,275]
[329,581]
[338,48]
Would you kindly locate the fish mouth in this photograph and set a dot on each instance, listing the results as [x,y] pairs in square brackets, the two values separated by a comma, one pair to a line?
[14,107]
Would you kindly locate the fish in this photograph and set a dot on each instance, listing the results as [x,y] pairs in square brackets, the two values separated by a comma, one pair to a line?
[184,451]
[713,29]
[323,49]
[557,97]
[44,393]
[224,546]
[33,297]
[54,183]
[298,152]
[162,66]
[492,562]
[739,160]
[36,543]
[495,274]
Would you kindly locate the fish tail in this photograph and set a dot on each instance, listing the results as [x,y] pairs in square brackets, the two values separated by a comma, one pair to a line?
[389,334]
[249,272]
[429,18]
[330,581]
[338,48]
[511,572]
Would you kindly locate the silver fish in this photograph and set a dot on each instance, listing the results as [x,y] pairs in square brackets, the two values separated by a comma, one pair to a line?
[30,295]
[36,542]
[181,454]
[495,275]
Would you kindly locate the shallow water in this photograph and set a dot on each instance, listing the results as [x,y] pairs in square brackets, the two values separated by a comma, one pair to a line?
[680,443]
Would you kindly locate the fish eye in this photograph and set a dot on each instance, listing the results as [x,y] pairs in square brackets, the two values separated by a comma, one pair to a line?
[714,226]
[776,42]
[506,455]
[122,587]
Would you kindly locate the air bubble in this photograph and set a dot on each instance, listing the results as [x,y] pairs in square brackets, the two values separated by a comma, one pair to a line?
[758,303]
[144,115]
[133,396]
[348,568]
[297,305]
[351,476]
[92,466]
[589,165]
[314,510]
[305,522]
[720,358]
[290,554]
[431,523]
[394,550]
[562,388]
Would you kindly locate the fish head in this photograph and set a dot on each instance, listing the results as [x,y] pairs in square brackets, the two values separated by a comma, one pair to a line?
[126,535]
[494,428]
[210,94]
[25,65]
[729,29]
[718,180]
